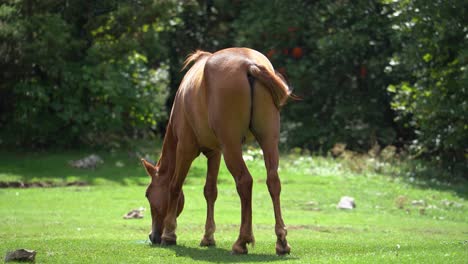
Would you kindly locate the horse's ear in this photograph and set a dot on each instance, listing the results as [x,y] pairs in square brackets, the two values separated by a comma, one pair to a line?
[150,168]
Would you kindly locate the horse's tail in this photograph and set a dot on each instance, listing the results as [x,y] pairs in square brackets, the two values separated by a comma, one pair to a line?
[194,57]
[277,87]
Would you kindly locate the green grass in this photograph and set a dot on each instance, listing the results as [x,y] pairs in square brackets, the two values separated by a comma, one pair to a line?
[85,225]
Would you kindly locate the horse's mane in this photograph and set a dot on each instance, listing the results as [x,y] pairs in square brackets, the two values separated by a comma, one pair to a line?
[193,57]
[194,76]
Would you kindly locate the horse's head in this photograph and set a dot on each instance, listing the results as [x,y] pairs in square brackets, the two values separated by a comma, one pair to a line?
[158,196]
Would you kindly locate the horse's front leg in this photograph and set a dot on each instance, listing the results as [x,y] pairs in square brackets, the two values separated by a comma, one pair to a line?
[211,193]
[185,154]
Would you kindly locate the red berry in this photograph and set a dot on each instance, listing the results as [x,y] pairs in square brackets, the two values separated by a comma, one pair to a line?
[363,71]
[297,52]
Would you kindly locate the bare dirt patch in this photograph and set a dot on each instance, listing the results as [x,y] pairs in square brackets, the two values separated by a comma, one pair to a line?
[324,229]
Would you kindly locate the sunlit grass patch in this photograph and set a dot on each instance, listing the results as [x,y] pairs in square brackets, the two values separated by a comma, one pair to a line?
[396,220]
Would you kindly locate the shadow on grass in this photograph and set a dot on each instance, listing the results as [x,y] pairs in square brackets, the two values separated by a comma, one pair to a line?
[425,175]
[221,255]
[53,168]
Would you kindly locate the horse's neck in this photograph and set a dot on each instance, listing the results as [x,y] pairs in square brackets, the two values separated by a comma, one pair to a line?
[167,160]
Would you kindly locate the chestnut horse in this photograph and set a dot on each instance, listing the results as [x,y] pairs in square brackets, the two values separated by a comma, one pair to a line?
[224,98]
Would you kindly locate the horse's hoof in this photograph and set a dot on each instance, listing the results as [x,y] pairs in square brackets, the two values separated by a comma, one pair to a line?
[207,242]
[282,252]
[166,242]
[239,250]
[155,240]
[283,248]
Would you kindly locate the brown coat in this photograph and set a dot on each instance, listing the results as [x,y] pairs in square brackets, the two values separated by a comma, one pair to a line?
[223,99]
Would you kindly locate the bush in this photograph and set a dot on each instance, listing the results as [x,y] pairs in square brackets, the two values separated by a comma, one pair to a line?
[71,80]
[334,54]
[431,98]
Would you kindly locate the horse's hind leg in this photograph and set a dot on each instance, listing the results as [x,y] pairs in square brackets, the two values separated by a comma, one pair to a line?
[236,165]
[211,193]
[266,127]
[271,156]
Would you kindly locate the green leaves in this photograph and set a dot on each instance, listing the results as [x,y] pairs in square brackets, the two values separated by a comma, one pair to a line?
[427,57]
[80,78]
[431,96]
[340,75]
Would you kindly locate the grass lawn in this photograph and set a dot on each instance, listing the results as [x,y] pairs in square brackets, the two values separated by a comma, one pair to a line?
[397,219]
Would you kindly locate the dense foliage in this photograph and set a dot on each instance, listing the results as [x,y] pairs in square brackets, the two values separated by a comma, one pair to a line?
[368,72]
[74,72]
[334,55]
[432,57]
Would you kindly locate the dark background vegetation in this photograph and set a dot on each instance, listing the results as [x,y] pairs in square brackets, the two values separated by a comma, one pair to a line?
[98,73]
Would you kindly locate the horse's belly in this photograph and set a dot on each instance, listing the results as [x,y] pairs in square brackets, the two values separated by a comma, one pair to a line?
[206,138]
[248,138]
